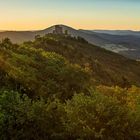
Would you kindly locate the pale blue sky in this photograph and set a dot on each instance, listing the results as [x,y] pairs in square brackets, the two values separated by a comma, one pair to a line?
[86,14]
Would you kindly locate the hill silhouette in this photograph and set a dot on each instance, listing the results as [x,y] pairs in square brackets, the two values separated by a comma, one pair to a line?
[125,44]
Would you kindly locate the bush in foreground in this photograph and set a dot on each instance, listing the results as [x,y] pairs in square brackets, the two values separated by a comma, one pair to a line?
[96,116]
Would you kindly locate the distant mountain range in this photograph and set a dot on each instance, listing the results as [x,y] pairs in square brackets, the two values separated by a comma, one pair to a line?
[120,42]
[119,32]
[124,42]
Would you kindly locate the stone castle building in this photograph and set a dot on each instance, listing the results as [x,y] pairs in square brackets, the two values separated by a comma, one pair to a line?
[58,30]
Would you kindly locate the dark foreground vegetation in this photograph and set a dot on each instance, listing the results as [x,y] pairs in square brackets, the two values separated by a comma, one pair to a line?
[63,88]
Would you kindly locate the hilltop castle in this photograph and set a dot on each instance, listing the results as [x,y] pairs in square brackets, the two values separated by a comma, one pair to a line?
[58,29]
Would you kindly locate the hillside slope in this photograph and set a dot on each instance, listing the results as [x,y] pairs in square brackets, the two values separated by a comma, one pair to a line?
[125,44]
[105,67]
[45,85]
[17,36]
[21,36]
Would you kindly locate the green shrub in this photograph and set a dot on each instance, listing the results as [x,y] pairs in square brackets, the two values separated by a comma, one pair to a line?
[101,117]
[24,119]
[96,116]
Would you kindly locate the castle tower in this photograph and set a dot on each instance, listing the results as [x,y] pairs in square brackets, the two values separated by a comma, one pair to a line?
[58,30]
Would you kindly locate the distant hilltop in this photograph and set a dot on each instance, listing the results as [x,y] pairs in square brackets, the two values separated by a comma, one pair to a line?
[126,43]
[59,30]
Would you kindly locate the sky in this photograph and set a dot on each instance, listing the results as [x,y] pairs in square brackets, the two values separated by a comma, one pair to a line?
[79,14]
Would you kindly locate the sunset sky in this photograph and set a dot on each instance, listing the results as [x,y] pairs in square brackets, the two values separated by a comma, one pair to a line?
[85,14]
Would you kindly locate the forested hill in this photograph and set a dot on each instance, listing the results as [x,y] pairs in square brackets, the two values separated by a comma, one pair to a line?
[27,63]
[60,87]
[127,43]
[106,67]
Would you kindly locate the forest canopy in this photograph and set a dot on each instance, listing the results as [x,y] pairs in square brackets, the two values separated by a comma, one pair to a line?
[60,87]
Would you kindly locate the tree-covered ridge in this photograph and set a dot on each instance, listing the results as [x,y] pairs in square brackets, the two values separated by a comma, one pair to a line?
[59,87]
[41,73]
[107,68]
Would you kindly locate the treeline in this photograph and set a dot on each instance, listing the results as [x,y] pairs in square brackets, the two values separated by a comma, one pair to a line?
[47,94]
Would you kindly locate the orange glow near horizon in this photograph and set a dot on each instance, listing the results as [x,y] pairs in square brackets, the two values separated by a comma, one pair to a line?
[39,25]
[30,28]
